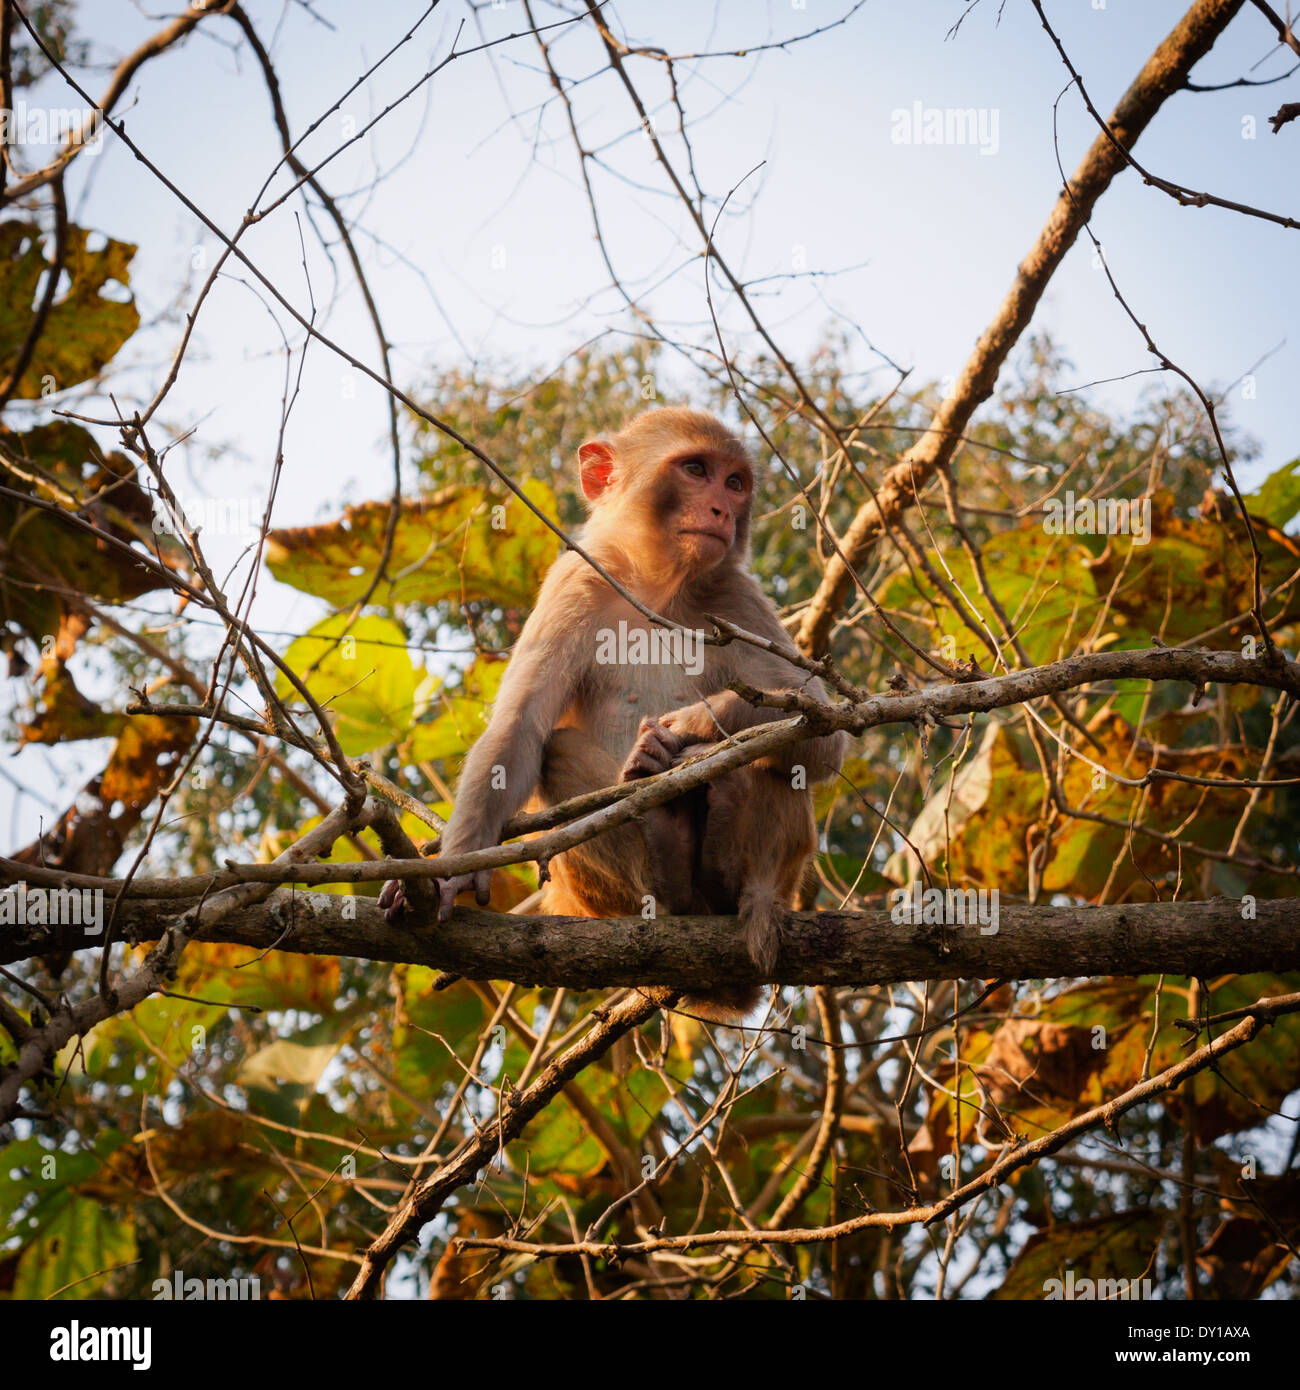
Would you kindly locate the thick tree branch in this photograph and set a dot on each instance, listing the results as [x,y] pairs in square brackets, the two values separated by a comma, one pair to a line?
[693,953]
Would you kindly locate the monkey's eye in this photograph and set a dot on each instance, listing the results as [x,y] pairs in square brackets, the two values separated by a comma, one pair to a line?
[696,467]
[736,482]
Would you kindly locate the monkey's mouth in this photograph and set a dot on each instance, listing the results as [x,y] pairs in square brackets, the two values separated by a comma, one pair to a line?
[718,536]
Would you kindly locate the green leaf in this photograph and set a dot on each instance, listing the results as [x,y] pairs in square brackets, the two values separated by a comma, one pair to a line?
[458,546]
[362,674]
[559,1140]
[174,1028]
[1193,575]
[82,1239]
[463,717]
[1042,588]
[84,330]
[1229,1098]
[1278,497]
[22,1166]
[1110,1248]
[457,1015]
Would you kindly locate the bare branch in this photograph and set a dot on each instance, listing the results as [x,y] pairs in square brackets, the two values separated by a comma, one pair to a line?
[1161,76]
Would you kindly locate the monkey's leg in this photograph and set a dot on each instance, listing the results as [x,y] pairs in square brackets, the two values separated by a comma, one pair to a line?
[672,831]
[751,837]
[611,875]
[759,834]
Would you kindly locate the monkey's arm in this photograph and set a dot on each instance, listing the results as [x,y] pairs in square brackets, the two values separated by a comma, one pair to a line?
[504,765]
[727,713]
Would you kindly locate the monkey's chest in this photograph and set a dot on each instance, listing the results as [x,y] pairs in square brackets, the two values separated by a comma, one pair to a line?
[621,695]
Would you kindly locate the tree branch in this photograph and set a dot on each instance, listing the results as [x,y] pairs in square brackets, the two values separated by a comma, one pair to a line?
[1260,1015]
[694,953]
[1161,76]
[425,1201]
[624,803]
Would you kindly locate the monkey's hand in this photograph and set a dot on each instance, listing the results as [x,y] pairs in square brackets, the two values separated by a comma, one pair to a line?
[654,750]
[697,723]
[394,901]
[448,888]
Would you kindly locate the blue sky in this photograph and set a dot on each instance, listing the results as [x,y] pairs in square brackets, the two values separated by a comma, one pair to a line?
[479,240]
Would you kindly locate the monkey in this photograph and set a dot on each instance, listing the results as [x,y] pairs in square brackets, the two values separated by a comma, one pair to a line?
[669,499]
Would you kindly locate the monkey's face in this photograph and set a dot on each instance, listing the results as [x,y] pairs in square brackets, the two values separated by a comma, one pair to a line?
[700,501]
[672,492]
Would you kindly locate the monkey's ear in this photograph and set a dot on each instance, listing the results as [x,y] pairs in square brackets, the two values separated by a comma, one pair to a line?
[595,468]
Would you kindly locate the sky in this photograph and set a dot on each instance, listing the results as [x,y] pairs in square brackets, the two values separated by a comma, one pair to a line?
[478,238]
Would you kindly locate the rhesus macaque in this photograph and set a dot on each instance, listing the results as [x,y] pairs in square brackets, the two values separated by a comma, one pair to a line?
[670,498]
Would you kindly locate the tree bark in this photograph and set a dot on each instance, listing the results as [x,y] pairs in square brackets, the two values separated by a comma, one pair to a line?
[691,953]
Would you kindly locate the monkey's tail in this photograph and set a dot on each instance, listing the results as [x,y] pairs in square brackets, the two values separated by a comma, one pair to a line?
[761,913]
[725,1003]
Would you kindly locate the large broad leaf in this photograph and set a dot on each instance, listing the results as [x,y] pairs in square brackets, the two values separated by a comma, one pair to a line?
[560,1141]
[143,760]
[46,559]
[433,1025]
[58,462]
[1277,498]
[362,674]
[174,1031]
[462,714]
[82,1239]
[219,1158]
[95,826]
[1256,1243]
[1089,1045]
[1254,1081]
[1195,574]
[35,1180]
[226,973]
[65,714]
[298,1064]
[1085,1047]
[85,328]
[1095,1259]
[962,798]
[1187,576]
[974,827]
[458,546]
